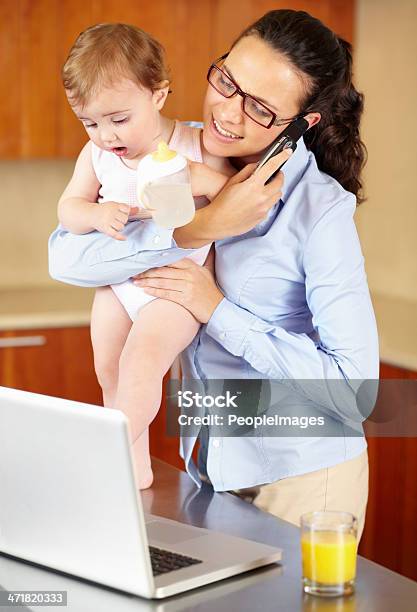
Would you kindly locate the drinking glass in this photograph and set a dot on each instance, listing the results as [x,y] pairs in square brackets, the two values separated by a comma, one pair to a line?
[329,550]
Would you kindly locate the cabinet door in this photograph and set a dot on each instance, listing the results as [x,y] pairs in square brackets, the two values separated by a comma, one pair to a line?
[36,36]
[56,362]
[390,533]
[59,362]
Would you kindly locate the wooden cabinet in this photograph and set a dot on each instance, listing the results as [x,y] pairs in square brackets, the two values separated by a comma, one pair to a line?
[56,362]
[390,534]
[36,35]
[59,362]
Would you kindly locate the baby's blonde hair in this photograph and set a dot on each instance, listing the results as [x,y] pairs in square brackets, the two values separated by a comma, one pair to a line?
[108,52]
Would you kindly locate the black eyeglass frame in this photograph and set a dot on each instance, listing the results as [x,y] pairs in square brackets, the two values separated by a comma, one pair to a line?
[274,121]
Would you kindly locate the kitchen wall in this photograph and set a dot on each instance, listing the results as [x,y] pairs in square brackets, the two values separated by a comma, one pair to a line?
[385,59]
[29,194]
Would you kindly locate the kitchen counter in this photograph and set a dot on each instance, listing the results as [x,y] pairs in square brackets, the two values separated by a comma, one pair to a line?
[276,587]
[63,305]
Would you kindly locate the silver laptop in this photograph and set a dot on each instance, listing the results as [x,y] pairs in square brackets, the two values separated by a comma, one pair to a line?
[69,501]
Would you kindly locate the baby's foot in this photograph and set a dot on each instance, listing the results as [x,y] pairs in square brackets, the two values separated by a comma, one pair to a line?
[142,461]
[145,478]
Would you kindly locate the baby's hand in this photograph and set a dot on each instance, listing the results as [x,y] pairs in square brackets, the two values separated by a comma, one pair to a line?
[111,217]
[205,181]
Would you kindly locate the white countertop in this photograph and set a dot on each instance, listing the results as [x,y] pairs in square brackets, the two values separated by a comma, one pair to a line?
[68,306]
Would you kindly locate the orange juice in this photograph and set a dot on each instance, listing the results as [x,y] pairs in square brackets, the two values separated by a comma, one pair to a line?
[329,557]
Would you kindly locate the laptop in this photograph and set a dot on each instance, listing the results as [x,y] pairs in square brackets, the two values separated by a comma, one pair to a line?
[235,593]
[69,501]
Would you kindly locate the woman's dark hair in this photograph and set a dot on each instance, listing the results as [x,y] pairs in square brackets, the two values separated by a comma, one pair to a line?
[324,62]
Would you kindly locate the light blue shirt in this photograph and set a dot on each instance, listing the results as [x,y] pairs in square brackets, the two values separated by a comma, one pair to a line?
[296,308]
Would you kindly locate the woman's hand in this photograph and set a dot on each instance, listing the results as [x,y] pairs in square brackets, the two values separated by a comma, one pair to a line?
[185,283]
[246,200]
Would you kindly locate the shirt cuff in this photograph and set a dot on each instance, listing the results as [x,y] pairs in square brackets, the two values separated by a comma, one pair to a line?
[151,237]
[151,241]
[229,325]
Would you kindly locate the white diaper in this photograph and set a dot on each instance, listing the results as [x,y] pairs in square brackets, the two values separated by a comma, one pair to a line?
[133,298]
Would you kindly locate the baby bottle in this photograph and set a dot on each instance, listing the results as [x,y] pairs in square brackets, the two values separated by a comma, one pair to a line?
[164,187]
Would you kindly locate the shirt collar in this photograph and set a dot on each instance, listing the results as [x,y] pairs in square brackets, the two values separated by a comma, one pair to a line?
[294,169]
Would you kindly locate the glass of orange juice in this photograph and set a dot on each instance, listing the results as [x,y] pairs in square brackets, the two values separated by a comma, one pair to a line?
[328,551]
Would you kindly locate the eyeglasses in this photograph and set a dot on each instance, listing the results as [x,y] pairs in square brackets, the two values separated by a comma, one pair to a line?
[253,108]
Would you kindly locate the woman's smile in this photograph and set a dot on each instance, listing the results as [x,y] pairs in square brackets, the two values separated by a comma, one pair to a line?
[222,133]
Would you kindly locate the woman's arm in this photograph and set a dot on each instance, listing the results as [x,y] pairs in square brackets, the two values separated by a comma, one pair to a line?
[337,295]
[338,298]
[95,259]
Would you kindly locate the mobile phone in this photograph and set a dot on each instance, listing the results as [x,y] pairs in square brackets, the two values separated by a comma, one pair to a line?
[286,140]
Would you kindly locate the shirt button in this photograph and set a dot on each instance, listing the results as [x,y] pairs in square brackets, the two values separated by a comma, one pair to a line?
[157,239]
[216,443]
[223,335]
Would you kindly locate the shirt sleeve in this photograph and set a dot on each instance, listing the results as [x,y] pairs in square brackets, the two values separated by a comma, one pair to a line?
[95,259]
[344,345]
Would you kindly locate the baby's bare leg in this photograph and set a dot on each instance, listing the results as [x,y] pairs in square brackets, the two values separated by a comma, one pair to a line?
[160,332]
[110,326]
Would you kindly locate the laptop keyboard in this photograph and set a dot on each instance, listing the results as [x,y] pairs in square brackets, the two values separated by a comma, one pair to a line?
[164,561]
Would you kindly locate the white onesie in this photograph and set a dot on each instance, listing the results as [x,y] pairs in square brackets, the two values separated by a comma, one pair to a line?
[118,184]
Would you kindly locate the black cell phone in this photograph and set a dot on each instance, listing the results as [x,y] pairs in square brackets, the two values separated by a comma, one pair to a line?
[286,140]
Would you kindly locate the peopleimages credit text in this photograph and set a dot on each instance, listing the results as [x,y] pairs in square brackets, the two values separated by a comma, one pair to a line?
[252,421]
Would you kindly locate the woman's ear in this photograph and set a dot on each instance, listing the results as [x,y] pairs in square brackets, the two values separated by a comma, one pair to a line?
[312,119]
[160,94]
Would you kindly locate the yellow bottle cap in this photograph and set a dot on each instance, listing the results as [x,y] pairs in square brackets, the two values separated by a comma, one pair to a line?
[163,153]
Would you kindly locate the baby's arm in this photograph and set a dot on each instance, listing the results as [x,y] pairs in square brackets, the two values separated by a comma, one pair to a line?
[78,210]
[209,177]
[205,181]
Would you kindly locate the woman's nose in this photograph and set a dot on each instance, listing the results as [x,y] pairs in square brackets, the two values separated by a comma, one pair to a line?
[230,110]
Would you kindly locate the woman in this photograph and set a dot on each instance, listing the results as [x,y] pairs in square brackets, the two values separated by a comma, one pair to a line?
[291,300]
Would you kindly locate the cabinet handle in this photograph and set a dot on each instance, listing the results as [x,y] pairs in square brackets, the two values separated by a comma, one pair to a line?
[21,341]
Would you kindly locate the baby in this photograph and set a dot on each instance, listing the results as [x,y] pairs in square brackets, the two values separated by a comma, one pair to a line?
[117,83]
